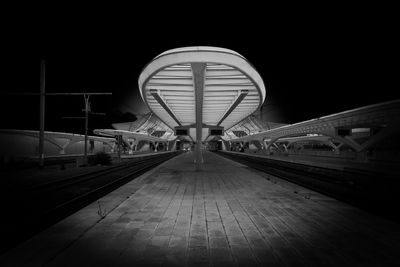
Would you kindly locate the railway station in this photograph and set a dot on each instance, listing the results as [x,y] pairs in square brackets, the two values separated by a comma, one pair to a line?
[203,180]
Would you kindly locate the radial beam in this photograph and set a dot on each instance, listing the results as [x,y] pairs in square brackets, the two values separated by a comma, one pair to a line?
[199,70]
[157,97]
[242,95]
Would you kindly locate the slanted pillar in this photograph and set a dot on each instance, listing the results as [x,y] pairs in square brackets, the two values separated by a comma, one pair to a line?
[131,142]
[241,146]
[155,146]
[267,146]
[277,147]
[224,146]
[64,146]
[172,145]
[257,144]
[261,144]
[285,147]
[336,148]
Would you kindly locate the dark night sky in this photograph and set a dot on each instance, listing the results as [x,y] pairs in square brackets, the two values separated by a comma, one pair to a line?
[313,64]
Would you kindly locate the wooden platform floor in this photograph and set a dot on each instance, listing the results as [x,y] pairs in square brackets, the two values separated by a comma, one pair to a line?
[225,215]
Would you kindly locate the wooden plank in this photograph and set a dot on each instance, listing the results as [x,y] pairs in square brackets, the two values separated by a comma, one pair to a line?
[225,215]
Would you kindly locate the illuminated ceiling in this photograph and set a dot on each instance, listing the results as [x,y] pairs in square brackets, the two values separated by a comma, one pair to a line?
[217,86]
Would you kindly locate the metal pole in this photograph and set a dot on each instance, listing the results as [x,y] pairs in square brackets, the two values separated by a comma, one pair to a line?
[86,127]
[42,113]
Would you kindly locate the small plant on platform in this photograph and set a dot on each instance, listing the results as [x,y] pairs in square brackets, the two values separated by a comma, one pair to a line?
[100,158]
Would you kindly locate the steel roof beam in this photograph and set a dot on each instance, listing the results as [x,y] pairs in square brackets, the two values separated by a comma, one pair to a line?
[157,97]
[242,95]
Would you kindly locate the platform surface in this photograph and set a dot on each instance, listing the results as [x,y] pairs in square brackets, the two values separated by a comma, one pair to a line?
[225,215]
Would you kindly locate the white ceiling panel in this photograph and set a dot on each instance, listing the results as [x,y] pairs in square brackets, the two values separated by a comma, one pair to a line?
[232,88]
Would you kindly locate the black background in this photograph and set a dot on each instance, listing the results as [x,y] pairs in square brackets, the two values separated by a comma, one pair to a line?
[314,60]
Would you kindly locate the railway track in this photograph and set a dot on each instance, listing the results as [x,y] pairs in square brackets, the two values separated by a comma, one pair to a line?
[73,193]
[374,192]
[45,204]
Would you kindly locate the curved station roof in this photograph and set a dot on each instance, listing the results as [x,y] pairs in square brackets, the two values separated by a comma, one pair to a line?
[201,87]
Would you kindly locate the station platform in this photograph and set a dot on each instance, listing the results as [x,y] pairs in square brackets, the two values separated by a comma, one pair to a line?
[224,215]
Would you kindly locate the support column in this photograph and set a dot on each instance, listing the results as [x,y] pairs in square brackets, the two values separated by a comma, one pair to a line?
[277,147]
[285,147]
[155,146]
[241,146]
[172,145]
[64,146]
[336,148]
[198,70]
[113,147]
[226,144]
[224,148]
[257,144]
[265,144]
[131,148]
[267,147]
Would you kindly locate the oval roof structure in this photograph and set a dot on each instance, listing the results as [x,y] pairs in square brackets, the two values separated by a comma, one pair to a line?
[199,48]
[201,84]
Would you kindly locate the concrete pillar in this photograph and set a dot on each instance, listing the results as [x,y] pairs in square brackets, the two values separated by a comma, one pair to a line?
[225,145]
[285,147]
[336,148]
[155,146]
[241,147]
[198,70]
[64,146]
[172,145]
[113,147]
[266,147]
[258,144]
[131,148]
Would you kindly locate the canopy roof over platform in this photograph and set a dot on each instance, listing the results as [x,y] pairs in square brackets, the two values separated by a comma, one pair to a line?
[200,87]
[148,124]
[129,135]
[379,121]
